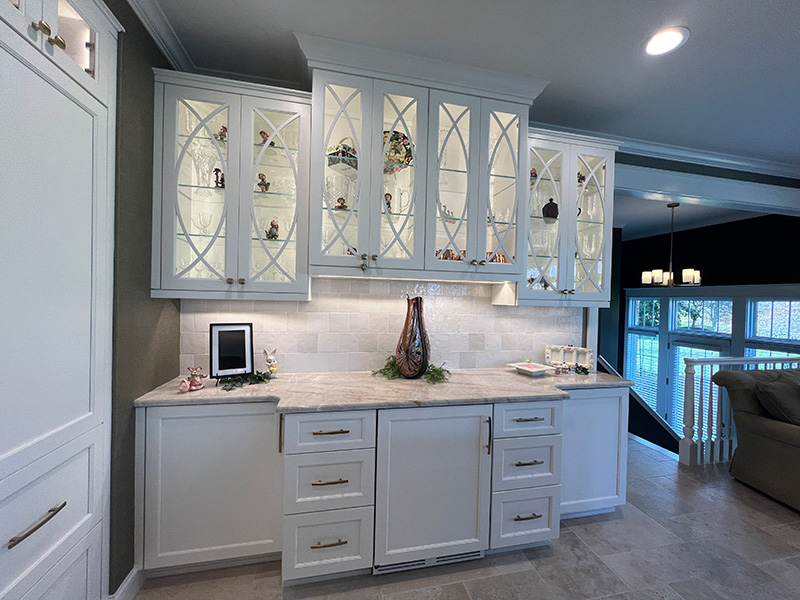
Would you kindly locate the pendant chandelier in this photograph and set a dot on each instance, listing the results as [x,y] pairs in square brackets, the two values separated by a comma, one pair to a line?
[662,277]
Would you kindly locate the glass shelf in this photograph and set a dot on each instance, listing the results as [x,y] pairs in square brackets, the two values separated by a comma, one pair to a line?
[257,145]
[498,176]
[260,193]
[201,187]
[222,237]
[341,158]
[453,171]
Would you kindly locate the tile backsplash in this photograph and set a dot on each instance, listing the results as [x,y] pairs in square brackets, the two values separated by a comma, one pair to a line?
[354,324]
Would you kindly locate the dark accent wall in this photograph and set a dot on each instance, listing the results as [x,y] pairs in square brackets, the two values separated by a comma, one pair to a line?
[146,330]
[761,250]
[610,329]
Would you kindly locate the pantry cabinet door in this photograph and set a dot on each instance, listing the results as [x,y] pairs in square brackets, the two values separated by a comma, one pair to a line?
[340,169]
[432,490]
[397,194]
[273,196]
[199,189]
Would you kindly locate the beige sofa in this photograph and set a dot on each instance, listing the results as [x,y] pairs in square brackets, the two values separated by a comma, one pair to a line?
[766,413]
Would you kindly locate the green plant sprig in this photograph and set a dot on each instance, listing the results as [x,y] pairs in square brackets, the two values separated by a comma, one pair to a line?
[237,381]
[432,375]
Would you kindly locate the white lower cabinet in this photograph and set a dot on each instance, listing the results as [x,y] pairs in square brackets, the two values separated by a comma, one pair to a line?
[595,450]
[324,542]
[433,488]
[525,516]
[212,483]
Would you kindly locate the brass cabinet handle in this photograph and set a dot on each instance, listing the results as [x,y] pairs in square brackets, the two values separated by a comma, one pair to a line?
[42,26]
[58,41]
[339,482]
[229,280]
[374,257]
[531,518]
[481,263]
[528,419]
[242,281]
[364,256]
[336,432]
[572,291]
[363,266]
[473,262]
[532,463]
[25,534]
[489,444]
[319,545]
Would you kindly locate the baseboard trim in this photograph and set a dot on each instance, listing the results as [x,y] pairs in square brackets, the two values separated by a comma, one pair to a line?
[211,565]
[130,586]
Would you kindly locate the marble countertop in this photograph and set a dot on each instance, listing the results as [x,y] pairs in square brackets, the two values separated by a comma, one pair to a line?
[320,392]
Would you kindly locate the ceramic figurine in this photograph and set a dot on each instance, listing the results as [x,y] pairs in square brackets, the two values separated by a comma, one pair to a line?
[223,134]
[219,178]
[550,211]
[534,174]
[271,362]
[265,137]
[581,177]
[272,232]
[387,198]
[262,182]
[194,382]
[340,203]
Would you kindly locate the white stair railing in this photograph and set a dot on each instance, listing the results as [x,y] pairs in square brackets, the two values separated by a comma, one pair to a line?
[708,432]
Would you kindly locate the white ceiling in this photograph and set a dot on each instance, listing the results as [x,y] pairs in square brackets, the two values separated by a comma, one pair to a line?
[731,89]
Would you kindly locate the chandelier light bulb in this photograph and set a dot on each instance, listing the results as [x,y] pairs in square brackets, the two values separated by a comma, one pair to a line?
[667,40]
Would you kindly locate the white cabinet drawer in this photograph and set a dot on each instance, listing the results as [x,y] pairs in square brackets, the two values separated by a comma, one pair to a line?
[526,462]
[515,419]
[320,432]
[327,542]
[525,516]
[328,480]
[61,495]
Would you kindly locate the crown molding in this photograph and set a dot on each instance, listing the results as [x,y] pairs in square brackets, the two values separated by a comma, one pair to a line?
[573,138]
[225,85]
[686,155]
[156,23]
[235,75]
[357,59]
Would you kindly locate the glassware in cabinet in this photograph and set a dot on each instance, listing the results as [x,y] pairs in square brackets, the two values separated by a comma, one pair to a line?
[592,223]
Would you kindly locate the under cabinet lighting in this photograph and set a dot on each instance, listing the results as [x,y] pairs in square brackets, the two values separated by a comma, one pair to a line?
[667,40]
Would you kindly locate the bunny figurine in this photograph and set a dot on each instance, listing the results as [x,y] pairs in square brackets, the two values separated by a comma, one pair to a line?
[194,382]
[271,362]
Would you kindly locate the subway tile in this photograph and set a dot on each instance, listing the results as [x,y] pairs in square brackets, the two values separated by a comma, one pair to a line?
[367,342]
[194,343]
[339,286]
[359,286]
[339,322]
[346,342]
[317,322]
[476,342]
[187,322]
[306,342]
[328,342]
[467,360]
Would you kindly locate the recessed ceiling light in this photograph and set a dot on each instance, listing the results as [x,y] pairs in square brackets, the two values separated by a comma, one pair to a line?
[667,40]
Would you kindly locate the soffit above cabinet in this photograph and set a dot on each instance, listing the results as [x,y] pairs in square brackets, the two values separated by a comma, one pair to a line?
[356,59]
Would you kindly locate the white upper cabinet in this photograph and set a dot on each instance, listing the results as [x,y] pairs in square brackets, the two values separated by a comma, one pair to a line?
[79,36]
[415,175]
[570,210]
[231,191]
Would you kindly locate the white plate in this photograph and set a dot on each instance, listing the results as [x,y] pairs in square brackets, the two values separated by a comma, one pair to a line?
[531,368]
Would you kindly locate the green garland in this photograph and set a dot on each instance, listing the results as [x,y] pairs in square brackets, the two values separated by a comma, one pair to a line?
[237,381]
[433,374]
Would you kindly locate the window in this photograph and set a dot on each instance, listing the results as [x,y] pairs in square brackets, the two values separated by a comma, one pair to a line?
[676,407]
[776,320]
[645,313]
[641,366]
[708,316]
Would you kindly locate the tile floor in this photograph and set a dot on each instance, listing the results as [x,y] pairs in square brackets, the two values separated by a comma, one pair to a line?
[685,534]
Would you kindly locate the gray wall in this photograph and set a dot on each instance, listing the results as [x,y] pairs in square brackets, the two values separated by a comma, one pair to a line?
[146,331]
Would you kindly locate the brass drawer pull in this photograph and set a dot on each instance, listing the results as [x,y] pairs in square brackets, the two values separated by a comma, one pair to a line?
[340,482]
[58,41]
[50,514]
[319,545]
[41,26]
[531,518]
[532,463]
[336,432]
[528,419]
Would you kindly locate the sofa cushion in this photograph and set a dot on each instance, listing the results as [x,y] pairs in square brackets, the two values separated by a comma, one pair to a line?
[780,396]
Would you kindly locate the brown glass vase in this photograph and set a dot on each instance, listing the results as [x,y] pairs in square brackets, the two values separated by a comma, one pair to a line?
[413,349]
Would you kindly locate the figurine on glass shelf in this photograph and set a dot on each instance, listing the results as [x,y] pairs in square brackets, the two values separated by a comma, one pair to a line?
[223,134]
[534,174]
[581,177]
[340,204]
[387,198]
[265,138]
[550,212]
[271,363]
[193,382]
[272,232]
[262,182]
[219,178]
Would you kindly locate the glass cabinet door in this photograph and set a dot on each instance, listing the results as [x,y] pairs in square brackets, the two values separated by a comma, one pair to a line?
[273,213]
[26,17]
[200,181]
[593,224]
[77,38]
[397,202]
[341,158]
[454,133]
[497,237]
[546,201]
